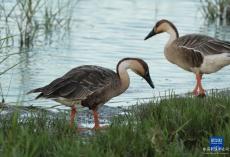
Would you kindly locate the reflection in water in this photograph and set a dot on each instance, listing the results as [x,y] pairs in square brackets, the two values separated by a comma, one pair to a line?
[103,32]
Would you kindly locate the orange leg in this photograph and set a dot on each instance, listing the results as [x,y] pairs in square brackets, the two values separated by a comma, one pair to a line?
[199,85]
[96,120]
[72,118]
[72,115]
[195,90]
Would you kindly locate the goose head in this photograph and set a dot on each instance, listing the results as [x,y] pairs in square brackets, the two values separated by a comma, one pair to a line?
[137,65]
[163,26]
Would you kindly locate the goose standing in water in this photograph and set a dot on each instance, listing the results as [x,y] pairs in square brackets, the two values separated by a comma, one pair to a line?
[92,86]
[196,53]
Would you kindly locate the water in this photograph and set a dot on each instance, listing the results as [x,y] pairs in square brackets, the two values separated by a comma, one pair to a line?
[102,33]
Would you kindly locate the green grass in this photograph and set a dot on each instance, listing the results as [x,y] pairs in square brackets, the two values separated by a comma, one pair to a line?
[173,127]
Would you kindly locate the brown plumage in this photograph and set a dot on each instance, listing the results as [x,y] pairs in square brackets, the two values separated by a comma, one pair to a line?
[196,53]
[79,84]
[92,86]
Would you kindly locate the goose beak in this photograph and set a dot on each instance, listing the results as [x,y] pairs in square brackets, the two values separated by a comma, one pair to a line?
[152,33]
[149,80]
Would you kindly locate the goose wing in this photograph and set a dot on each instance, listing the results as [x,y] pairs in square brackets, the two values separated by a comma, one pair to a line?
[79,83]
[204,45]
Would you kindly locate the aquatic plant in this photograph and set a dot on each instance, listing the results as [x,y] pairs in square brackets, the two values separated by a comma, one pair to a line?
[34,20]
[5,56]
[216,10]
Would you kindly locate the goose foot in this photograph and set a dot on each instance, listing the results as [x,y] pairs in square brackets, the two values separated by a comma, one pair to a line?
[195,92]
[201,95]
[96,122]
[199,91]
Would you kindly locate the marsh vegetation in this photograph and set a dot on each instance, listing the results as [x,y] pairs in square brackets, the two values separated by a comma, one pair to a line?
[178,126]
[33,21]
[216,11]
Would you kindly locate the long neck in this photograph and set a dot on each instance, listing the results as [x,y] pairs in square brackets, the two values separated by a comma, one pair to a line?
[123,74]
[172,31]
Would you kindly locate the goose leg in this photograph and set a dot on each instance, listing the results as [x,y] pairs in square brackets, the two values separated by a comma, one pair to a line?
[72,115]
[72,118]
[195,90]
[201,89]
[96,120]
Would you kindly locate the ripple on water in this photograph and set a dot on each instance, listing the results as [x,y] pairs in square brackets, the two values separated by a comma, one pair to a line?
[103,32]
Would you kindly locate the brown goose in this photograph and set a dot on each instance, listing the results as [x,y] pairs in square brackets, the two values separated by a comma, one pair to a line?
[92,86]
[196,53]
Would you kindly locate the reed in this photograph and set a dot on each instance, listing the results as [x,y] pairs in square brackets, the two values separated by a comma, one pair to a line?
[4,55]
[34,20]
[216,10]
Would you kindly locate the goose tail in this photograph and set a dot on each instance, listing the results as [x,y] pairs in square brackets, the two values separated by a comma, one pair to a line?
[36,91]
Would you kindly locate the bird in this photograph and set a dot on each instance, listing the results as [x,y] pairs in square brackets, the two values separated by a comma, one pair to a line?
[196,53]
[92,86]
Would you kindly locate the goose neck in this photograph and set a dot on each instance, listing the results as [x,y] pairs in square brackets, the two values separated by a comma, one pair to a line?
[123,74]
[173,35]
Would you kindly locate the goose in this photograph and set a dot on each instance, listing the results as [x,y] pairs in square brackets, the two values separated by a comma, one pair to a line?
[92,86]
[195,53]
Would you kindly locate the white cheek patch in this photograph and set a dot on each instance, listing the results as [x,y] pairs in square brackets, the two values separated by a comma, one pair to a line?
[213,63]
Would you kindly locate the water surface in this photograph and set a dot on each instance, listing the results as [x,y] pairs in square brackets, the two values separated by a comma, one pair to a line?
[102,33]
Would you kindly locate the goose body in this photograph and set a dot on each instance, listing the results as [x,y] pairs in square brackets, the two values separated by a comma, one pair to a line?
[92,86]
[198,53]
[81,85]
[195,53]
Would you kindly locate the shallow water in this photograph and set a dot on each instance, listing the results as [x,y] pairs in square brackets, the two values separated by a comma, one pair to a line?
[102,33]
